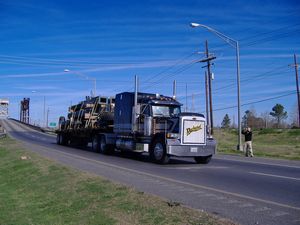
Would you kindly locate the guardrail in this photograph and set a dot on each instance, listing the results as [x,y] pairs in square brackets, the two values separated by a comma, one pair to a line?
[41,129]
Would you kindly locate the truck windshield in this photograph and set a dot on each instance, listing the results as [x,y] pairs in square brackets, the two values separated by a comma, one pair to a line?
[165,111]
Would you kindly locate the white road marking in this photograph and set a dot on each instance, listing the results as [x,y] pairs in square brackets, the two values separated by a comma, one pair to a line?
[232,201]
[246,205]
[195,167]
[220,198]
[210,195]
[262,209]
[273,175]
[279,214]
[260,163]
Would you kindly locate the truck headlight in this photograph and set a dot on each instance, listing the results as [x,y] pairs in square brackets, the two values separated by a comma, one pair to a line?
[172,135]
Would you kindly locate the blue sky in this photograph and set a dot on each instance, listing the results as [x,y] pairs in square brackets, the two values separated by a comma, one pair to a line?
[114,40]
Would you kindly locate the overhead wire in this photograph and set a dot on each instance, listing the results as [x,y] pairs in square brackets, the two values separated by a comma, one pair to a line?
[258,101]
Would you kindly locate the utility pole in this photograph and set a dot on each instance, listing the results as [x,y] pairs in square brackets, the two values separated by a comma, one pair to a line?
[47,121]
[193,109]
[186,108]
[44,111]
[208,59]
[297,86]
[206,102]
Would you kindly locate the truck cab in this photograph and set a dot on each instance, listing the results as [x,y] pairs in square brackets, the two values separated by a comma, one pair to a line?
[155,124]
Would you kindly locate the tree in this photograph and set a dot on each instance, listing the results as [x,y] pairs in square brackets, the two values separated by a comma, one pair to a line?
[293,115]
[266,119]
[278,113]
[226,121]
[250,119]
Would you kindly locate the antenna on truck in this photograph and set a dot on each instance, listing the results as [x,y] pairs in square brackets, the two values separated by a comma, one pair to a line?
[135,110]
[174,89]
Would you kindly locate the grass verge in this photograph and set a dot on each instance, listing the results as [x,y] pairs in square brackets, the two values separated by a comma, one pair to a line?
[35,190]
[275,143]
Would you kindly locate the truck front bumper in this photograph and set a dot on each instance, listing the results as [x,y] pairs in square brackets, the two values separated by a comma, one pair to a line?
[176,149]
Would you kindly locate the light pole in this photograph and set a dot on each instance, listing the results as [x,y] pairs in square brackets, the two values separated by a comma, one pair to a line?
[86,77]
[234,44]
[44,109]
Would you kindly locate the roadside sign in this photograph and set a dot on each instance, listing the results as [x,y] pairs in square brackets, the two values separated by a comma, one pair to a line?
[52,124]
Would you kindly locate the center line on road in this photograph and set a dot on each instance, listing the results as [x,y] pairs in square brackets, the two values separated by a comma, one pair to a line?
[273,175]
[195,167]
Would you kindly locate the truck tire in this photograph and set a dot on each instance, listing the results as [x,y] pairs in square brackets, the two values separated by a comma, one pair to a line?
[81,142]
[203,159]
[105,148]
[158,151]
[95,143]
[64,139]
[58,139]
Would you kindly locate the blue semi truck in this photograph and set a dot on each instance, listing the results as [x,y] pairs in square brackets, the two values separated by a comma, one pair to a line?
[137,122]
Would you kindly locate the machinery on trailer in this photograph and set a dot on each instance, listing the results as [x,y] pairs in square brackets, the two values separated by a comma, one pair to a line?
[137,122]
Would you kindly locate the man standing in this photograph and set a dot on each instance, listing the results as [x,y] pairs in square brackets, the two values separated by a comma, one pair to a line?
[248,142]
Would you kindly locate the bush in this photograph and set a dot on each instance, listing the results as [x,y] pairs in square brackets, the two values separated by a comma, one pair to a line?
[294,132]
[270,131]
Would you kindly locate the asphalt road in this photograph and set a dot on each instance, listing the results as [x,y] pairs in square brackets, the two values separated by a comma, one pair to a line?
[245,190]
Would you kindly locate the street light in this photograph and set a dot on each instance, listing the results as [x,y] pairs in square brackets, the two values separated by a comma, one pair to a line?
[235,44]
[44,115]
[86,77]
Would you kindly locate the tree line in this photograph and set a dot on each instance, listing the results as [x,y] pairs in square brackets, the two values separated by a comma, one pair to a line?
[273,119]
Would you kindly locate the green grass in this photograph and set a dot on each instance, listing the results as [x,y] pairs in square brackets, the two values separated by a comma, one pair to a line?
[276,143]
[39,191]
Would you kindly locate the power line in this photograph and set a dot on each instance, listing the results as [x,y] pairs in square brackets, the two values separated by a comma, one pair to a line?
[170,67]
[254,78]
[259,101]
[258,77]
[178,71]
[260,40]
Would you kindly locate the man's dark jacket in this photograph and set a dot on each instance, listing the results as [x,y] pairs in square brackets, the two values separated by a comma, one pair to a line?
[248,135]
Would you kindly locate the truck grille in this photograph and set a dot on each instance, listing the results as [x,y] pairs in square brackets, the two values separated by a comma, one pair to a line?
[193,131]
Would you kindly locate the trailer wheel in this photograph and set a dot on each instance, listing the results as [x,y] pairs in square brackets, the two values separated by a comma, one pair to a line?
[203,159]
[58,139]
[105,148]
[158,152]
[82,142]
[64,139]
[95,143]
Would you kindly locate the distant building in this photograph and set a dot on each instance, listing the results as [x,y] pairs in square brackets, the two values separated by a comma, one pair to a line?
[4,108]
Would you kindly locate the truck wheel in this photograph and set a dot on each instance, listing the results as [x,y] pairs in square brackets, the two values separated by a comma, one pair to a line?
[64,140]
[58,139]
[82,142]
[158,152]
[203,159]
[95,143]
[105,148]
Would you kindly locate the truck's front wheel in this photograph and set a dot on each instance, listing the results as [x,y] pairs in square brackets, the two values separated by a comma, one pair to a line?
[203,159]
[158,152]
